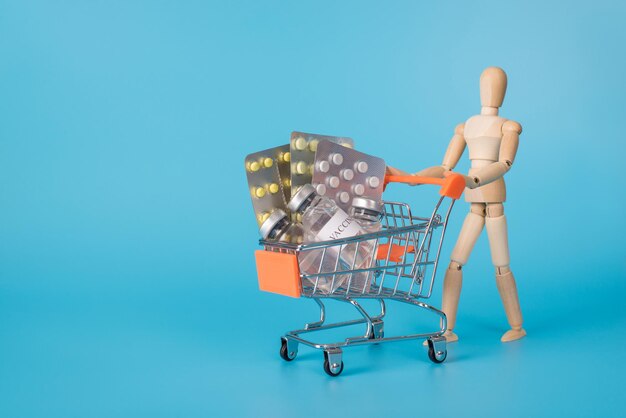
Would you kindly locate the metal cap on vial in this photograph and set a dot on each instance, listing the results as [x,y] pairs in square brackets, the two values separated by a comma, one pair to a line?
[271,222]
[301,196]
[368,204]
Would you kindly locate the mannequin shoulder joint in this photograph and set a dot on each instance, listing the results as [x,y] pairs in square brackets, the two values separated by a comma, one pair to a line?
[511,126]
[460,128]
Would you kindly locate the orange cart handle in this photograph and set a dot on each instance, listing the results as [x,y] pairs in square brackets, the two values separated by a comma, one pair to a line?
[451,186]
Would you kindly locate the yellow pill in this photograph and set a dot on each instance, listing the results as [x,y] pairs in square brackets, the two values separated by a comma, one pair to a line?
[300,143]
[287,183]
[268,162]
[347,144]
[263,216]
[253,166]
[298,217]
[301,167]
[259,192]
[273,188]
[287,157]
[313,145]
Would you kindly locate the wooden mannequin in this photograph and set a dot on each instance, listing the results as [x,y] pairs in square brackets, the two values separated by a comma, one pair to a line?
[492,143]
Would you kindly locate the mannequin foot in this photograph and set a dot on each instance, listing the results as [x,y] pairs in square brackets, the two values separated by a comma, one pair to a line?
[513,334]
[450,338]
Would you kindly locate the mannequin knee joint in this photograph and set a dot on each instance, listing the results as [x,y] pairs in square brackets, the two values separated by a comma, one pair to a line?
[495,210]
[502,270]
[454,265]
[478,209]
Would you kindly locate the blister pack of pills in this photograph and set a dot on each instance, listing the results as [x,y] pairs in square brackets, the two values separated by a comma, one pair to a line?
[268,181]
[342,174]
[302,148]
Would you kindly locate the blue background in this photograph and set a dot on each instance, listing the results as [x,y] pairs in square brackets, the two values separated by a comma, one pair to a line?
[127,278]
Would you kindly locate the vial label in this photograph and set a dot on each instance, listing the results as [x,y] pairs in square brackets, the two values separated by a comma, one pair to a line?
[341,225]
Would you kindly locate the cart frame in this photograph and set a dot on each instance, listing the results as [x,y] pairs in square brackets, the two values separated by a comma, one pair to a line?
[400,259]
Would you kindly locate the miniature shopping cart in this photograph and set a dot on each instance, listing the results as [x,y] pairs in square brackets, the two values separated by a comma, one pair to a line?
[402,267]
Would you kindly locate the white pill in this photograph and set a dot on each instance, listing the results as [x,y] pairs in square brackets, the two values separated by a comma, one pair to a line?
[361,166]
[336,158]
[373,182]
[343,197]
[333,182]
[358,189]
[323,166]
[347,174]
[321,189]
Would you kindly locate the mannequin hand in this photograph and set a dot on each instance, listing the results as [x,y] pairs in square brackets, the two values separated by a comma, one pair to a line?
[470,182]
[390,171]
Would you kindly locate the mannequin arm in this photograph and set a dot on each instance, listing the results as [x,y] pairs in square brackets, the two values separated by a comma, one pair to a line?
[395,171]
[451,158]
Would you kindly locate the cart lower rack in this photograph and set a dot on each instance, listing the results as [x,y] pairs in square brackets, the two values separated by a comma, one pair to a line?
[397,263]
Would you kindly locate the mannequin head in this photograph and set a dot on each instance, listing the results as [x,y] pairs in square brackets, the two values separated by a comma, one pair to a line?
[492,87]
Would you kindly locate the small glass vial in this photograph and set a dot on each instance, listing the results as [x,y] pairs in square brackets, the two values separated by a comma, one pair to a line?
[323,220]
[368,213]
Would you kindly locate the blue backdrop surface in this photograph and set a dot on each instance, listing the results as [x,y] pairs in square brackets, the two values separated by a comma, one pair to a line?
[127,278]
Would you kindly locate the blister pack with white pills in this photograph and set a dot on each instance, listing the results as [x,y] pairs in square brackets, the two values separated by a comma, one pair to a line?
[342,174]
[269,183]
[303,147]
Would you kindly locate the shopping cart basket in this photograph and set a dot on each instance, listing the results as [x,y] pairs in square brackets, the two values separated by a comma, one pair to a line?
[402,267]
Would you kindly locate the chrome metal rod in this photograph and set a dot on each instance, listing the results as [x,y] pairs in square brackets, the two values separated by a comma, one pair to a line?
[319,323]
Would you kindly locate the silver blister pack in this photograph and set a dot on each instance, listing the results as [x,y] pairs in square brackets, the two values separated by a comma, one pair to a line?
[268,181]
[342,174]
[302,148]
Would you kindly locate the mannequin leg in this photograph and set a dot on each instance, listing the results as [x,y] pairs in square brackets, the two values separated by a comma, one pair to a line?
[499,245]
[453,279]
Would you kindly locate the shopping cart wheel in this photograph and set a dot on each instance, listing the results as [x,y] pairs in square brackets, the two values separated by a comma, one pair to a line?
[437,351]
[286,352]
[333,365]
